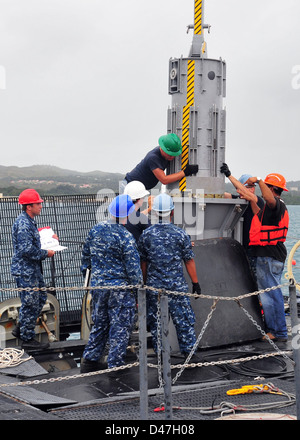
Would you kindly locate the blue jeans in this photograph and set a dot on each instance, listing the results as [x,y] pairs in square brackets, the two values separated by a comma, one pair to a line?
[268,272]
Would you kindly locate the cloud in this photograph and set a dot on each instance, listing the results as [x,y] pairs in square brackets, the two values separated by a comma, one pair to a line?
[87,81]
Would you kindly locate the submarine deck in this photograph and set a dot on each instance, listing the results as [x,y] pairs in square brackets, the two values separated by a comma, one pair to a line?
[65,394]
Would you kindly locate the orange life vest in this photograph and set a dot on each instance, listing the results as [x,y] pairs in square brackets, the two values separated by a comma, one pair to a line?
[268,235]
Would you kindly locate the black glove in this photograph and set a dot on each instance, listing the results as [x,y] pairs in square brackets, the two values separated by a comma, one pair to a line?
[196,288]
[225,170]
[191,169]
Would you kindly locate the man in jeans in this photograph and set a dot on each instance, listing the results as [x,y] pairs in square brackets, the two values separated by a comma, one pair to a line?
[248,214]
[268,233]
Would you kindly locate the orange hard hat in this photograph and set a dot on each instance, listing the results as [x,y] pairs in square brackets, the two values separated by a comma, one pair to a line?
[29,196]
[276,179]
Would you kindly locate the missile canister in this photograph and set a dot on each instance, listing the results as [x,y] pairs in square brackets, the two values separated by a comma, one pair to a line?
[197,85]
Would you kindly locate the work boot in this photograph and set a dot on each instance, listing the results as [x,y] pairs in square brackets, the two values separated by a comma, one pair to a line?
[33,344]
[87,366]
[274,338]
[16,331]
[116,374]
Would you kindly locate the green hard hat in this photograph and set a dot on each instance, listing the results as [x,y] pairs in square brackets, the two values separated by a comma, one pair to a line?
[170,144]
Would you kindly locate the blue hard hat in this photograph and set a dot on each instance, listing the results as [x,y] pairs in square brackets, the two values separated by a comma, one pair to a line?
[244,178]
[121,206]
[163,204]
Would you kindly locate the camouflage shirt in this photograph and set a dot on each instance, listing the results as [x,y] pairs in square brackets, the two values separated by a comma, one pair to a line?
[27,247]
[163,246]
[111,251]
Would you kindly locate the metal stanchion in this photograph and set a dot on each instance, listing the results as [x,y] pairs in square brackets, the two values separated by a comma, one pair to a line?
[143,354]
[295,341]
[166,356]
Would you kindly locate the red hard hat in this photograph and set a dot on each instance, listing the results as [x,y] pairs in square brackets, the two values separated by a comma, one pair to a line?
[29,196]
[276,179]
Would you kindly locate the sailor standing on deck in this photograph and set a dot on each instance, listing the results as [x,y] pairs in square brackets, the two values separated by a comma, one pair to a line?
[111,253]
[162,247]
[268,233]
[150,170]
[27,267]
[248,214]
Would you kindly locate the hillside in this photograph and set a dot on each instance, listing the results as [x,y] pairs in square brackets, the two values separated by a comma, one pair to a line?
[54,180]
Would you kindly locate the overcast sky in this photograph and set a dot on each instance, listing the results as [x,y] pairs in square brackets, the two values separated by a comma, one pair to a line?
[84,83]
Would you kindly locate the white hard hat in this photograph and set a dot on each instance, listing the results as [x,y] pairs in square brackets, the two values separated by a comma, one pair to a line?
[163,205]
[136,190]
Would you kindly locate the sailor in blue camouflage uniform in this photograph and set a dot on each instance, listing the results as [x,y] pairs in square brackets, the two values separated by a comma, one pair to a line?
[111,253]
[26,267]
[162,248]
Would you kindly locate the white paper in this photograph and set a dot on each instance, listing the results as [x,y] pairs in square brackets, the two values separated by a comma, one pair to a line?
[48,242]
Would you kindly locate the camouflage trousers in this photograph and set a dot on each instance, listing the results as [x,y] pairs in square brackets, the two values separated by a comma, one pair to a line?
[32,303]
[183,318]
[113,317]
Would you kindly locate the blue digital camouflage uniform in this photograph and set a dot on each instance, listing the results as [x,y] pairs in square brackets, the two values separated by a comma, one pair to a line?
[111,253]
[27,269]
[163,246]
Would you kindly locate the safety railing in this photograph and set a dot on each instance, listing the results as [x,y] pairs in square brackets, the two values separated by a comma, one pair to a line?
[71,217]
[72,227]
[164,366]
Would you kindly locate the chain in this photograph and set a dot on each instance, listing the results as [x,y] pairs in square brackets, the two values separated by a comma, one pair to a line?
[264,333]
[231,361]
[75,376]
[159,366]
[136,364]
[150,288]
[213,308]
[205,364]
[159,348]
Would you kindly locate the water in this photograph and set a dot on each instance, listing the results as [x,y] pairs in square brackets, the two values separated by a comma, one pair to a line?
[292,238]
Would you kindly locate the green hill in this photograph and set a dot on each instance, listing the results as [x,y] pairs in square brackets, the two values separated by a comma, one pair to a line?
[54,180]
[48,179]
